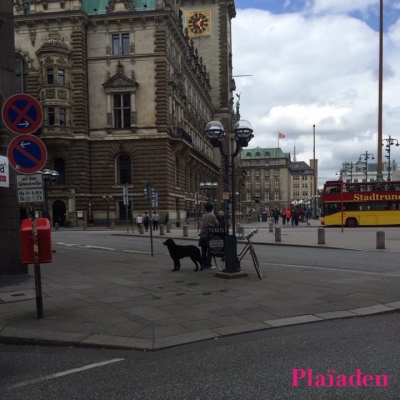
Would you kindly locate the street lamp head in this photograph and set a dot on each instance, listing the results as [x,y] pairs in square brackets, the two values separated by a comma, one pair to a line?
[215,133]
[208,185]
[215,185]
[54,177]
[46,174]
[244,132]
[202,185]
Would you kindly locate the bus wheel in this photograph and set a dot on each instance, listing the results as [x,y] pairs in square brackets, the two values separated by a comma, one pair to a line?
[351,222]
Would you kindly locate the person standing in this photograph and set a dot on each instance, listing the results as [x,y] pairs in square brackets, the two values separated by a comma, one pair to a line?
[308,215]
[208,220]
[139,221]
[288,215]
[146,221]
[156,218]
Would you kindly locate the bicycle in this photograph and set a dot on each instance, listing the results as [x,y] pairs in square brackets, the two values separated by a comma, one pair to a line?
[247,248]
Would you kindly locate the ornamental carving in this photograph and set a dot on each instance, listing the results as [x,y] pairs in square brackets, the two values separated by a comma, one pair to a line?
[62,94]
[50,94]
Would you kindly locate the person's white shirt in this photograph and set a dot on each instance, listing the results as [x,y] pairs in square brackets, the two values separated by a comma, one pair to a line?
[139,219]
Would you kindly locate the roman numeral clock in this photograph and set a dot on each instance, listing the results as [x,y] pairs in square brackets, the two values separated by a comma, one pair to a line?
[198,23]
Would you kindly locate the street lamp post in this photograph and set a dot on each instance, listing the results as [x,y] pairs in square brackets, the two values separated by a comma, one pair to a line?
[50,178]
[243,134]
[389,142]
[209,188]
[366,157]
[108,199]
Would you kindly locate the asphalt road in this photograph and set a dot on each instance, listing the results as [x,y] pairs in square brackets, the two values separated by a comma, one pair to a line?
[253,366]
[367,261]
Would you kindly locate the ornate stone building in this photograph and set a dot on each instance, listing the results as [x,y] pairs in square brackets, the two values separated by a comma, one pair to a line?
[127,88]
[302,188]
[268,182]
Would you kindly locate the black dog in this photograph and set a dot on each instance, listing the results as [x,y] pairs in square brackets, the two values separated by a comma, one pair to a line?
[177,252]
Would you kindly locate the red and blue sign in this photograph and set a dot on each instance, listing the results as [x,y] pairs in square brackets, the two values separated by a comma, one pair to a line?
[22,114]
[27,154]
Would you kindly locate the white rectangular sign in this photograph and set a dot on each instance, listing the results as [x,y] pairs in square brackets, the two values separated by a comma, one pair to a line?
[33,181]
[30,196]
[4,172]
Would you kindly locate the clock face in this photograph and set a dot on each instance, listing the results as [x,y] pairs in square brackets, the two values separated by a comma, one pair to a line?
[198,23]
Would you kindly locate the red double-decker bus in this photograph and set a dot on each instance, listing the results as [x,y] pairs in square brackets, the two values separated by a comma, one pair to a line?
[360,204]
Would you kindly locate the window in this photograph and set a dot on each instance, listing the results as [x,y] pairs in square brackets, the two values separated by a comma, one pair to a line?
[120,43]
[122,110]
[124,169]
[63,116]
[59,166]
[248,184]
[296,177]
[266,197]
[51,114]
[257,172]
[276,196]
[258,154]
[276,173]
[61,77]
[257,184]
[276,183]
[50,76]
[122,210]
[21,75]
[248,196]
[266,184]
[257,162]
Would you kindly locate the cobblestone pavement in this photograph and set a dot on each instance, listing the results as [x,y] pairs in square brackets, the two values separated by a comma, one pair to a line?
[133,301]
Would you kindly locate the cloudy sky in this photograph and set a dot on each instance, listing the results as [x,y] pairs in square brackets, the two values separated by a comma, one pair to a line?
[316,62]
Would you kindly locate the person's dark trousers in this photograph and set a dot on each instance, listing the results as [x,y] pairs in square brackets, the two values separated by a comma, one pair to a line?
[205,257]
[284,220]
[146,227]
[155,225]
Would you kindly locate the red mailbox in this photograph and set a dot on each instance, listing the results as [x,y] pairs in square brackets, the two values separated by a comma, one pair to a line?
[44,241]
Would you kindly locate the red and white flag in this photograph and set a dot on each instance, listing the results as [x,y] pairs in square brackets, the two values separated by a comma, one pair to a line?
[281,135]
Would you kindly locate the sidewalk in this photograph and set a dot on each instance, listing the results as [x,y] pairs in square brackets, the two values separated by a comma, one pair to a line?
[131,300]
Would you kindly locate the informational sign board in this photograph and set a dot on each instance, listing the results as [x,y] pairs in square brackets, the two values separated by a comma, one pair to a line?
[4,172]
[33,181]
[217,241]
[30,196]
[27,154]
[22,114]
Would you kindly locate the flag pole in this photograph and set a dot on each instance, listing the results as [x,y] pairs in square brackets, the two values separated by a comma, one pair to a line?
[278,139]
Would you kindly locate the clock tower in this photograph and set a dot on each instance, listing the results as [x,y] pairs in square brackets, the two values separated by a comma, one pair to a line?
[208,24]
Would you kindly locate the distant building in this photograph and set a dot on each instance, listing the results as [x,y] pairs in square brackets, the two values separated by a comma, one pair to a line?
[355,172]
[302,187]
[268,179]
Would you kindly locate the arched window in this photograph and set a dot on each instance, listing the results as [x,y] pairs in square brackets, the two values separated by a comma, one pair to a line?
[59,166]
[267,154]
[21,75]
[124,169]
[258,154]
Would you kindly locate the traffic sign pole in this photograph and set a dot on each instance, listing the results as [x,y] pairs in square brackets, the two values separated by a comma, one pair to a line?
[22,114]
[27,154]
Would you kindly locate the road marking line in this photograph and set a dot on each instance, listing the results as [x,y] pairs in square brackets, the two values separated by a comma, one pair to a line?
[333,269]
[136,251]
[88,246]
[67,244]
[68,372]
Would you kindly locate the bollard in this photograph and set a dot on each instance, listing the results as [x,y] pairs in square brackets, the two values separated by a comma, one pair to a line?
[321,236]
[56,226]
[162,229]
[271,227]
[277,234]
[141,229]
[168,228]
[380,240]
[112,226]
[185,231]
[84,226]
[240,230]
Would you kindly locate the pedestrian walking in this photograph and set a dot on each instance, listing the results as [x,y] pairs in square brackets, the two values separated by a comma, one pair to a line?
[139,221]
[275,214]
[156,218]
[146,221]
[288,215]
[208,220]
[308,215]
[283,215]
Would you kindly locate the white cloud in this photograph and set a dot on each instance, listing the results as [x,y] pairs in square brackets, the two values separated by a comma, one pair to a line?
[342,6]
[323,70]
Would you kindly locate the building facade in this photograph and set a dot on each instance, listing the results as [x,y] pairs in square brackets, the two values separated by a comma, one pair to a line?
[268,181]
[356,172]
[127,88]
[302,183]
